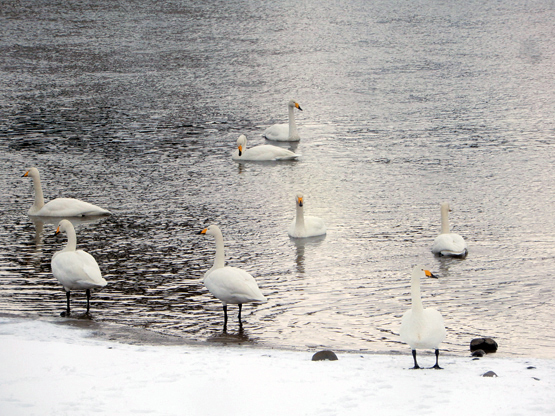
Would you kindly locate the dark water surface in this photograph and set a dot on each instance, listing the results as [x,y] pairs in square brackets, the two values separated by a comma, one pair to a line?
[136,106]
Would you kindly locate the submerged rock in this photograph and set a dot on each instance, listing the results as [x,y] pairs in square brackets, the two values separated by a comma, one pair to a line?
[324,355]
[488,345]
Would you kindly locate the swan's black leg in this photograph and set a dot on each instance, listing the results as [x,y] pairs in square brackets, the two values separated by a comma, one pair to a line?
[416,366]
[437,367]
[225,318]
[240,323]
[66,313]
[88,299]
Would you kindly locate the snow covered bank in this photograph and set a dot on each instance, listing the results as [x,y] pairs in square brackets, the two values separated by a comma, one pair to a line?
[49,369]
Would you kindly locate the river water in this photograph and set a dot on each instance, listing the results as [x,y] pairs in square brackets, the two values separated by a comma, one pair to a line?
[136,106]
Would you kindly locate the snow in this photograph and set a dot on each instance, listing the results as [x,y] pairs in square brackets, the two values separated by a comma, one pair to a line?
[52,369]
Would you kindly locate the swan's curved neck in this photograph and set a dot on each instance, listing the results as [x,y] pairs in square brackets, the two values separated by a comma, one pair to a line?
[71,240]
[219,261]
[39,198]
[292,125]
[445,219]
[299,219]
[415,292]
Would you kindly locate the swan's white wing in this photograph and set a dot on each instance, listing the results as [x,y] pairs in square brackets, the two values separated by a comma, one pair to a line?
[69,207]
[77,270]
[233,285]
[449,245]
[265,152]
[277,132]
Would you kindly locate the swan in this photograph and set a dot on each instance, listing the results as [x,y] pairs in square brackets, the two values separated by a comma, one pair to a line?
[285,132]
[229,284]
[305,226]
[75,269]
[262,152]
[448,244]
[421,328]
[59,207]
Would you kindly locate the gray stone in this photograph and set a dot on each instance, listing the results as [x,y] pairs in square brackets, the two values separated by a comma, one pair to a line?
[324,355]
[489,374]
[487,344]
[478,353]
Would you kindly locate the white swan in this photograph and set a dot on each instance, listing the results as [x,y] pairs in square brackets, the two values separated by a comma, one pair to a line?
[75,269]
[285,132]
[261,153]
[229,284]
[59,207]
[302,226]
[448,244]
[421,328]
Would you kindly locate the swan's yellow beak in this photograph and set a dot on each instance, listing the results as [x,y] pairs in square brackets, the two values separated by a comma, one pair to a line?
[240,150]
[300,201]
[26,174]
[298,106]
[204,231]
[430,274]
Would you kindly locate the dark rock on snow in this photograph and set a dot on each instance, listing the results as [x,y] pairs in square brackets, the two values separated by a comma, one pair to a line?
[478,353]
[324,355]
[489,374]
[486,344]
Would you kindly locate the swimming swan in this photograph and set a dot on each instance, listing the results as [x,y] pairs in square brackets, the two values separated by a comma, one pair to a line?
[421,328]
[302,226]
[285,132]
[261,153]
[448,244]
[59,207]
[229,284]
[75,269]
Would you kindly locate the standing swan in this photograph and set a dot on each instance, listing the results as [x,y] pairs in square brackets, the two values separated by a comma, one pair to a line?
[421,328]
[302,226]
[75,269]
[264,152]
[59,207]
[448,244]
[229,284]
[285,132]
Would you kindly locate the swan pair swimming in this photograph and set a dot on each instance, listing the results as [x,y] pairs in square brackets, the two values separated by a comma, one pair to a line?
[59,207]
[447,243]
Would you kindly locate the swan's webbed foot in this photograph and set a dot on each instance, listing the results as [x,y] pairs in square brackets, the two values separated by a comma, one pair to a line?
[437,367]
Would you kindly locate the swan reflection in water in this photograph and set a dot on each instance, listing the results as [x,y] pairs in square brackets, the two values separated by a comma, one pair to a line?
[300,245]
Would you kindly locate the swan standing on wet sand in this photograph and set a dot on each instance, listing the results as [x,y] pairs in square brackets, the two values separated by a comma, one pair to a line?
[285,132]
[264,152]
[229,284]
[75,269]
[59,207]
[448,244]
[302,226]
[421,328]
